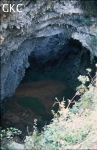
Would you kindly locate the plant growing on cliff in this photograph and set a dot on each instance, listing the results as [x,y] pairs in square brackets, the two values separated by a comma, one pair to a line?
[8,134]
[83,79]
[89,97]
[70,128]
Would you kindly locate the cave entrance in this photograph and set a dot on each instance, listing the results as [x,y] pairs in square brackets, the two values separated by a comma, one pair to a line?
[55,64]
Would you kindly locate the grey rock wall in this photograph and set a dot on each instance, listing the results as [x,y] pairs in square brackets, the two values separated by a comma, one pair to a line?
[22,31]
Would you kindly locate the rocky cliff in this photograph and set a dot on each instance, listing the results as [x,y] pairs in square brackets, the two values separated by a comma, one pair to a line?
[22,31]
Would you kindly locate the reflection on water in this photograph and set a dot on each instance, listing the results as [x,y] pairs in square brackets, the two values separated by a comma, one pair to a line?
[42,90]
[32,100]
[35,97]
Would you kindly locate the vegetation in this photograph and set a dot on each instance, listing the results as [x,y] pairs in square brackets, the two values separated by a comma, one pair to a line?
[70,127]
[6,136]
[74,128]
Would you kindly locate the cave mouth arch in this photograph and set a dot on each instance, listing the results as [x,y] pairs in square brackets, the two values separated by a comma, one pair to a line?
[58,55]
[54,53]
[53,71]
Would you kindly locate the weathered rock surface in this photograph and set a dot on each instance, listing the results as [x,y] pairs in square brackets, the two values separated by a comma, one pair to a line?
[22,31]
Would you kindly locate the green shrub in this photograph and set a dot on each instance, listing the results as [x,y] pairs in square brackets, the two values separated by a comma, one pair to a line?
[9,133]
[69,127]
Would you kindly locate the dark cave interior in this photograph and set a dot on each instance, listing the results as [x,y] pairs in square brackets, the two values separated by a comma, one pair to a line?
[53,71]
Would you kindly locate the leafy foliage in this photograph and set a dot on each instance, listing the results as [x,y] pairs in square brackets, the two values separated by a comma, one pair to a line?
[69,127]
[9,133]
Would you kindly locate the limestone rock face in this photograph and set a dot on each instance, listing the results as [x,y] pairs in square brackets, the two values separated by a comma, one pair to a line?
[22,31]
